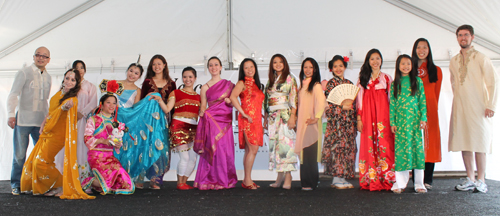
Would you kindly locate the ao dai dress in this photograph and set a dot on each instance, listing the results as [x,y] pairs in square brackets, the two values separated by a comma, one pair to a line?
[251,102]
[278,103]
[432,135]
[339,147]
[407,112]
[376,150]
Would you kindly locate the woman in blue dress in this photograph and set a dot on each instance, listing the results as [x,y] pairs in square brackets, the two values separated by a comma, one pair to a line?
[147,138]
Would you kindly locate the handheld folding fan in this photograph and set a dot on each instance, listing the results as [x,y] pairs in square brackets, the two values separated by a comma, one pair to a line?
[343,94]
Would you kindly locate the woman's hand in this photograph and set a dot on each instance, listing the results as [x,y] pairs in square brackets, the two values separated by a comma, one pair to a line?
[247,117]
[202,112]
[360,126]
[423,125]
[79,116]
[104,141]
[394,129]
[347,107]
[292,122]
[227,100]
[311,121]
[67,105]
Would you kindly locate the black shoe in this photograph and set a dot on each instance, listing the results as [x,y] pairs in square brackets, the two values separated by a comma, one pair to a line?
[16,191]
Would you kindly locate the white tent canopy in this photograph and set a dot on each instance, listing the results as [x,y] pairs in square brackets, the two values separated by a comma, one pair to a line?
[109,35]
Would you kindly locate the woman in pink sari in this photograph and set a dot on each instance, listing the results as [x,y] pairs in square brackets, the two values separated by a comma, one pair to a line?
[214,140]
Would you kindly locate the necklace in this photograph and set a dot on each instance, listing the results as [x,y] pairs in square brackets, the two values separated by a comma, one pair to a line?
[375,77]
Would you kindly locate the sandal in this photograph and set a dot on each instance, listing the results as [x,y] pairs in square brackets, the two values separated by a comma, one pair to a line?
[397,191]
[139,185]
[339,185]
[307,188]
[249,187]
[154,186]
[421,190]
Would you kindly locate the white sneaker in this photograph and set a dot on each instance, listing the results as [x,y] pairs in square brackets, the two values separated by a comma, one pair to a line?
[467,185]
[481,187]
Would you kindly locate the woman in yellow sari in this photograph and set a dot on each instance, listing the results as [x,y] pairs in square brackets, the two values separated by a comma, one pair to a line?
[58,130]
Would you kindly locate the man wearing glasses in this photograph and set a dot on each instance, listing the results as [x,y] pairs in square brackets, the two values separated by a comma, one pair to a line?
[29,95]
[475,94]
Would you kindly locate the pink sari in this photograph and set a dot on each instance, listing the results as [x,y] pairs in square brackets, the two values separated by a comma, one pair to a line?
[215,141]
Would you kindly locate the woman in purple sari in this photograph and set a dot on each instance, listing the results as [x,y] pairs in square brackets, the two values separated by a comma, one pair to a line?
[214,140]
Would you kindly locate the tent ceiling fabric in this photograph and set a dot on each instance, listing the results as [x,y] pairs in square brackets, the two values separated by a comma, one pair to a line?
[483,15]
[187,31]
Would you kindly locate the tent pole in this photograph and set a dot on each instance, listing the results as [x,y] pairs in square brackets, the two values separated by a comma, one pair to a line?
[442,23]
[230,34]
[48,27]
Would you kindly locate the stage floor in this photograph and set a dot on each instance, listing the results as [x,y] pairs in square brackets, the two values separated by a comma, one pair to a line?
[441,200]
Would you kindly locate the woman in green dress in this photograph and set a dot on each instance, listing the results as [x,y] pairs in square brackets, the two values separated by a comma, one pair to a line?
[408,116]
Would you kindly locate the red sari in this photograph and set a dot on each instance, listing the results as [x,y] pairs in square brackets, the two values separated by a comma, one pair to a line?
[376,151]
[251,102]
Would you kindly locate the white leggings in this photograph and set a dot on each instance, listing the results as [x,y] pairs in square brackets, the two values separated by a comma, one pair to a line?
[402,178]
[187,163]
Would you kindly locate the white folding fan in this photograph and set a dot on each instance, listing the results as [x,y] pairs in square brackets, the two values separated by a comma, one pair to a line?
[343,94]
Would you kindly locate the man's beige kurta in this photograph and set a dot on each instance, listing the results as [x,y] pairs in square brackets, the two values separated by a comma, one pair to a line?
[475,89]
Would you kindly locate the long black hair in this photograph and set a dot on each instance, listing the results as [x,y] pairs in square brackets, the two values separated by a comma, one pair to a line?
[316,77]
[431,67]
[74,91]
[397,78]
[284,73]
[366,70]
[241,75]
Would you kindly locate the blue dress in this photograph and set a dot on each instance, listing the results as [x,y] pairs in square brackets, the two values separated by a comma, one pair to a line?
[146,147]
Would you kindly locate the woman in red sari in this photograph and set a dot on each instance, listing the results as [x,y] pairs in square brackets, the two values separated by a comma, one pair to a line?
[251,133]
[432,77]
[376,151]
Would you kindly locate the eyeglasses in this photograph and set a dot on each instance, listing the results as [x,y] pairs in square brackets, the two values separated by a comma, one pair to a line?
[41,56]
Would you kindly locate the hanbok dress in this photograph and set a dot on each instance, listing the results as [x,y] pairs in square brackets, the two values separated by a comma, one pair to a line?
[339,146]
[278,103]
[214,141]
[251,102]
[40,174]
[376,151]
[105,167]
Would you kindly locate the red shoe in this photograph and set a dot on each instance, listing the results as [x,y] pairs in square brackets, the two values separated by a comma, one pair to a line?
[183,186]
[189,186]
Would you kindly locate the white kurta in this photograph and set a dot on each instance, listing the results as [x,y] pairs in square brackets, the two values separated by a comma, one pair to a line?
[475,89]
[87,101]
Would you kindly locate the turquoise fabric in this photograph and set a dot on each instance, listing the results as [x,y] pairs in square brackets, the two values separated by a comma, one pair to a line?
[146,146]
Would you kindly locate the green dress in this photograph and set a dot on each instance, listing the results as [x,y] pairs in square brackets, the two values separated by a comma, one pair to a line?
[406,113]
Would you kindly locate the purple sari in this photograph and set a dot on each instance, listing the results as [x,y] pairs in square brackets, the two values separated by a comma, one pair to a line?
[215,141]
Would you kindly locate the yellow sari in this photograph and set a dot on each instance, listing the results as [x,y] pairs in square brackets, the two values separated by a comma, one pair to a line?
[40,174]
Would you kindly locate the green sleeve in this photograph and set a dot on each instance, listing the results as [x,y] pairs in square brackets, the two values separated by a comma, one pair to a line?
[422,103]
